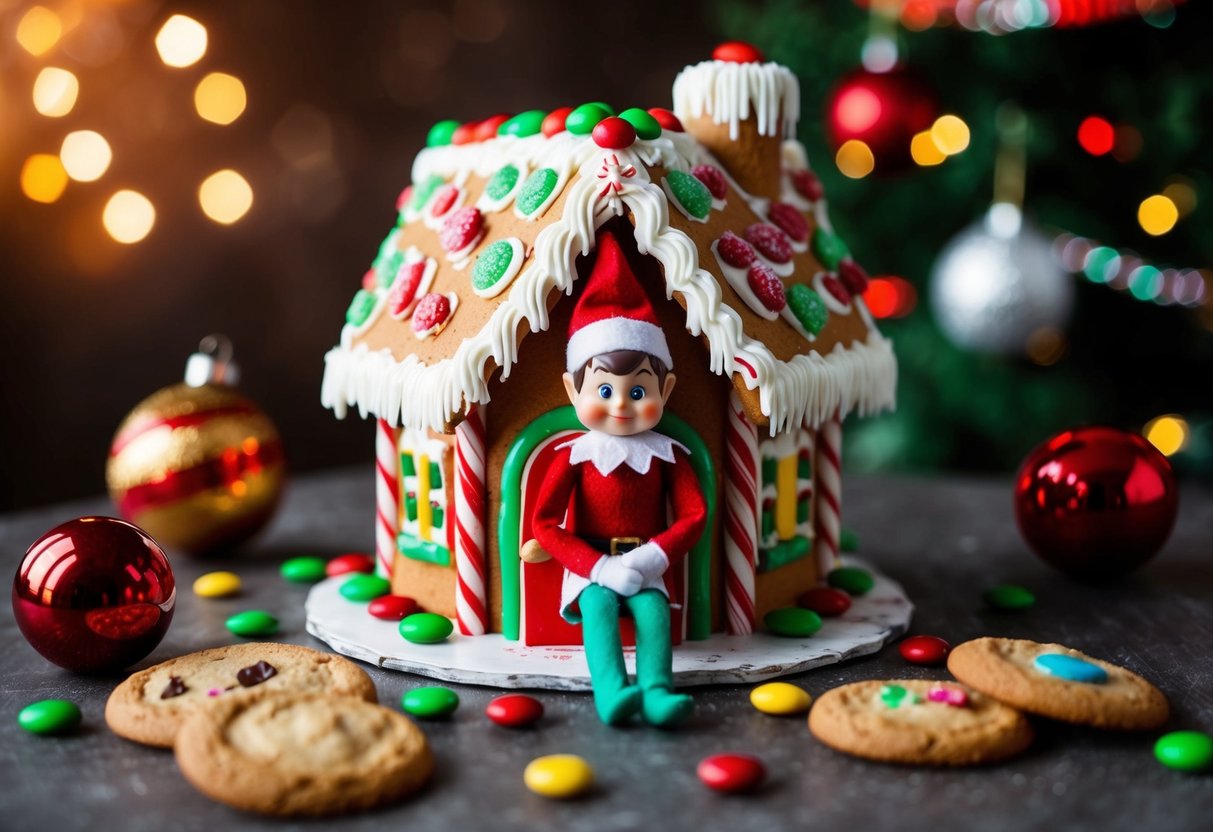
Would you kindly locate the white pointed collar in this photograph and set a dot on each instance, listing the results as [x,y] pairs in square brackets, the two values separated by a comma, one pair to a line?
[608,452]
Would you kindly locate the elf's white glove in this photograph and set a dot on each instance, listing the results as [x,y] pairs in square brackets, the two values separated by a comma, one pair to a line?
[610,571]
[648,560]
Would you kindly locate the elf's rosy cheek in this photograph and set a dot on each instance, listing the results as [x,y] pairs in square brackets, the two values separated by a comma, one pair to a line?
[595,414]
[650,411]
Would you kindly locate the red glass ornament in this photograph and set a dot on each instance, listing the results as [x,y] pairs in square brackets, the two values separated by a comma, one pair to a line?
[95,594]
[883,110]
[1096,502]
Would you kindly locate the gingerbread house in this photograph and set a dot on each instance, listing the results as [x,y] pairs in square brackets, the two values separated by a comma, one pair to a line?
[456,344]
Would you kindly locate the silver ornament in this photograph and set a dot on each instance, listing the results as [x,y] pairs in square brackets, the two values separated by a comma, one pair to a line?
[997,282]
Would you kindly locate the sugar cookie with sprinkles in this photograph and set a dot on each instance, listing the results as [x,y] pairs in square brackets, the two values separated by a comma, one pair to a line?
[1059,682]
[918,722]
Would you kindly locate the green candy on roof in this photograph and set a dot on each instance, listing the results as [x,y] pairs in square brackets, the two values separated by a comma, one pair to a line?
[523,124]
[646,126]
[441,133]
[585,118]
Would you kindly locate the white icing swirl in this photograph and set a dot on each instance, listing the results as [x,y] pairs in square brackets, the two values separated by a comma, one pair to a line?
[728,92]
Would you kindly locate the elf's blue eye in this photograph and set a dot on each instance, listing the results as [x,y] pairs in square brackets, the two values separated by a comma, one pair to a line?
[605,391]
[637,393]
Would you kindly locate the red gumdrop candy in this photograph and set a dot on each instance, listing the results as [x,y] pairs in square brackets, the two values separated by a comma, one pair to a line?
[834,286]
[404,289]
[666,119]
[353,562]
[402,201]
[789,220]
[461,228]
[514,710]
[614,133]
[443,199]
[735,251]
[737,52]
[771,243]
[853,277]
[487,129]
[807,185]
[553,122]
[767,287]
[393,607]
[825,601]
[712,179]
[465,133]
[432,310]
[369,280]
[928,650]
[731,772]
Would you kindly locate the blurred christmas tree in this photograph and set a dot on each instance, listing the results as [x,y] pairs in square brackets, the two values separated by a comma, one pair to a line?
[1125,356]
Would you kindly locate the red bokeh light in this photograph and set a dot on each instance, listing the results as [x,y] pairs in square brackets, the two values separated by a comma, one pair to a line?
[890,297]
[1096,135]
[858,109]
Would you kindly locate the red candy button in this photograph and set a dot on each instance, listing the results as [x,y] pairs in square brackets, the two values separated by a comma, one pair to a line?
[402,201]
[731,772]
[614,133]
[825,601]
[930,650]
[712,179]
[834,286]
[465,133]
[853,277]
[404,289]
[392,607]
[370,280]
[735,251]
[344,564]
[443,199]
[553,123]
[666,119]
[767,287]
[808,185]
[461,228]
[771,243]
[431,312]
[789,220]
[487,129]
[514,710]
[737,52]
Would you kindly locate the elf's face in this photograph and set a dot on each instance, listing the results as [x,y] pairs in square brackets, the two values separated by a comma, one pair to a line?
[621,405]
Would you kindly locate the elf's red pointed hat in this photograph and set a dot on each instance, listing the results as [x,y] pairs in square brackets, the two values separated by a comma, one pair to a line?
[613,312]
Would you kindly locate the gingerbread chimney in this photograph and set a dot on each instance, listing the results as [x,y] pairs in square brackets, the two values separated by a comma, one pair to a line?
[741,108]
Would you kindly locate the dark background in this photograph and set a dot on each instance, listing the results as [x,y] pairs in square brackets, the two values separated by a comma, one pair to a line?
[340,98]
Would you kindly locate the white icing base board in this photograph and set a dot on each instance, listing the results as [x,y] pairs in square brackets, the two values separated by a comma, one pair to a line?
[872,621]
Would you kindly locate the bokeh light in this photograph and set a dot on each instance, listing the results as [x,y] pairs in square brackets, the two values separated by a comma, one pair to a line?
[86,155]
[43,178]
[1096,135]
[220,98]
[1157,215]
[890,297]
[1168,433]
[950,134]
[128,216]
[924,151]
[1045,346]
[855,159]
[1128,143]
[1146,282]
[858,110]
[1182,192]
[225,196]
[39,30]
[181,41]
[55,92]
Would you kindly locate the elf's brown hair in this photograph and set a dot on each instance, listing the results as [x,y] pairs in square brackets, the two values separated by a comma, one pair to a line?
[622,362]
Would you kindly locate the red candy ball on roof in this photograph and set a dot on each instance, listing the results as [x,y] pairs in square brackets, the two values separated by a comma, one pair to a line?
[461,228]
[789,220]
[666,119]
[406,196]
[614,133]
[465,133]
[712,179]
[737,52]
[771,243]
[369,280]
[553,123]
[487,129]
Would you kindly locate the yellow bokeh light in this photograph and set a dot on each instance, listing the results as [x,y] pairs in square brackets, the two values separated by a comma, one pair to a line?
[43,177]
[55,92]
[1167,433]
[181,41]
[86,155]
[855,159]
[1181,192]
[1157,215]
[128,216]
[950,134]
[225,196]
[220,98]
[924,151]
[39,30]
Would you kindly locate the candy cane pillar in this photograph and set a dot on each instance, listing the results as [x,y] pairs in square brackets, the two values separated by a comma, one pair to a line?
[387,496]
[471,598]
[828,464]
[741,518]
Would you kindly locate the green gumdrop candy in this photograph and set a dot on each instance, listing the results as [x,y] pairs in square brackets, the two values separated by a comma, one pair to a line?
[360,308]
[502,182]
[303,570]
[523,124]
[422,191]
[808,307]
[535,190]
[441,133]
[829,248]
[692,194]
[492,264]
[365,587]
[585,118]
[50,716]
[430,702]
[646,126]
[252,623]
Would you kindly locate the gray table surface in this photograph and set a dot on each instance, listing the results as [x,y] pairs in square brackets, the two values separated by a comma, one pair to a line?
[945,540]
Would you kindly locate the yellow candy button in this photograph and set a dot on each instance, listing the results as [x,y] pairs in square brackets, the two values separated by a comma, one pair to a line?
[217,584]
[558,775]
[780,699]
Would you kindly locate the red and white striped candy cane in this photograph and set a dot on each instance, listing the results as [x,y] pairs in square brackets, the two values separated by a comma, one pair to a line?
[471,597]
[741,518]
[828,462]
[387,496]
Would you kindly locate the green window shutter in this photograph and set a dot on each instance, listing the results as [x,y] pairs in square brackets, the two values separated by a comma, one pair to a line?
[768,522]
[407,468]
[802,510]
[436,515]
[410,507]
[804,469]
[768,471]
[435,475]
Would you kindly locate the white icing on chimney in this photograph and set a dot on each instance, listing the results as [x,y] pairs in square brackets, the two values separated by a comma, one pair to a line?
[728,92]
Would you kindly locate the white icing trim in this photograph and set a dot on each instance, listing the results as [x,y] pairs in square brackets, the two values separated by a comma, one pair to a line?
[511,271]
[739,279]
[728,92]
[832,303]
[610,334]
[434,330]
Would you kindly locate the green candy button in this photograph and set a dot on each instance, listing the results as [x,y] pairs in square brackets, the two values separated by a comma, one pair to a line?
[829,248]
[426,628]
[808,307]
[502,182]
[252,623]
[50,716]
[360,308]
[792,622]
[691,194]
[365,587]
[851,580]
[303,570]
[430,703]
[585,118]
[646,126]
[441,133]
[1009,598]
[536,190]
[523,124]
[422,191]
[492,264]
[1185,751]
[848,541]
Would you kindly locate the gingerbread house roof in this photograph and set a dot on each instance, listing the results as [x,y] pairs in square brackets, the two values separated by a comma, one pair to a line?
[498,211]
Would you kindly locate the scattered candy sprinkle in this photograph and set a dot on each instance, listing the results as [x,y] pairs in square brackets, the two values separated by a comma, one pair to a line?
[430,702]
[1009,597]
[558,776]
[426,628]
[925,650]
[252,623]
[514,710]
[1185,751]
[303,570]
[217,585]
[851,579]
[49,716]
[362,587]
[780,699]
[731,773]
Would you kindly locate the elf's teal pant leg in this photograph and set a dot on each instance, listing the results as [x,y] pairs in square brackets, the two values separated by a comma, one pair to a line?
[654,659]
[614,698]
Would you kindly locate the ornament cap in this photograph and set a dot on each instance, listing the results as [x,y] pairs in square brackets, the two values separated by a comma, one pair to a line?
[212,364]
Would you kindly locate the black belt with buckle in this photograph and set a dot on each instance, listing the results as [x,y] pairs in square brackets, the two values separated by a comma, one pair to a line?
[614,545]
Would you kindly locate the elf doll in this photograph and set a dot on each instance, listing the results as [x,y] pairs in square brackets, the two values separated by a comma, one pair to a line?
[620,504]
